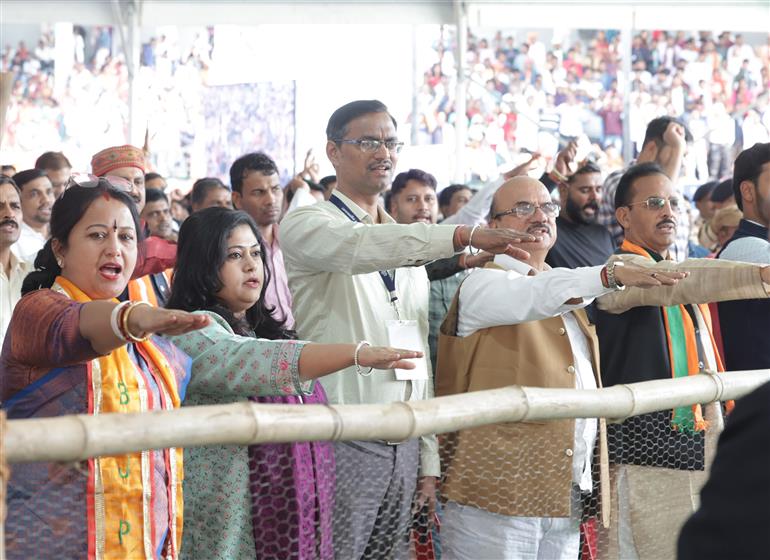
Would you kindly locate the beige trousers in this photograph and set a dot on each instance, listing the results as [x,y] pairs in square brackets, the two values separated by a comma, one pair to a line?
[649,507]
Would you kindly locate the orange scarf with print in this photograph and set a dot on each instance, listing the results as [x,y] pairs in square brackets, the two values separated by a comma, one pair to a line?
[120,492]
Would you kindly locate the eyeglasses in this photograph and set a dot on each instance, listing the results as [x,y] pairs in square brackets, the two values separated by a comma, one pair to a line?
[88,181]
[526,209]
[657,202]
[370,145]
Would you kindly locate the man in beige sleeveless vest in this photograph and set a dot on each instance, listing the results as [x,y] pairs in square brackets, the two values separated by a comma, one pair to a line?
[514,490]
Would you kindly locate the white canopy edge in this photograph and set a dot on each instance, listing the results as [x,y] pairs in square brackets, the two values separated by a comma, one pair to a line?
[740,16]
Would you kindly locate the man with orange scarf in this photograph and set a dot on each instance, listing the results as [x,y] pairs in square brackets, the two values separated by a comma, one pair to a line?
[658,459]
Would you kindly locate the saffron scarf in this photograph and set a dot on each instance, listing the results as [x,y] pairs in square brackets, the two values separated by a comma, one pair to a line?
[141,289]
[682,350]
[120,497]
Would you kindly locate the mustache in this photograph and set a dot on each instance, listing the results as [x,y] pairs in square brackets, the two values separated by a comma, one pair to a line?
[593,205]
[9,221]
[539,225]
[385,162]
[666,221]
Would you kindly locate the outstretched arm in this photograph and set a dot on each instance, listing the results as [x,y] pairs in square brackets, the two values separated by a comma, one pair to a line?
[708,280]
[313,240]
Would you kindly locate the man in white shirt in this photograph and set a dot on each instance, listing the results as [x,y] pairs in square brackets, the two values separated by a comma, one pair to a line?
[514,491]
[12,270]
[36,202]
[355,275]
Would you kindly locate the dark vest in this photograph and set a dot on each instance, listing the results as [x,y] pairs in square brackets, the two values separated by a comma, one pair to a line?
[633,348]
[746,323]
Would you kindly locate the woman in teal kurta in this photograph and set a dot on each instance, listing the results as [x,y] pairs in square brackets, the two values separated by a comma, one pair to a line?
[221,271]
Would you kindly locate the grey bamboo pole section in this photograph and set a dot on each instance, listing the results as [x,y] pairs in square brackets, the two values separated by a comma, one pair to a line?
[74,438]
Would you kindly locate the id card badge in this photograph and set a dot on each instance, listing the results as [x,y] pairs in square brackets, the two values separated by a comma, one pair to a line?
[406,335]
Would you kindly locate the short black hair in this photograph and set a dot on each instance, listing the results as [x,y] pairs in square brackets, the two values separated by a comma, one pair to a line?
[6,180]
[5,169]
[338,122]
[400,181]
[53,161]
[656,128]
[202,187]
[624,193]
[722,191]
[151,176]
[587,167]
[255,161]
[327,180]
[315,186]
[748,167]
[154,195]
[704,191]
[24,177]
[446,194]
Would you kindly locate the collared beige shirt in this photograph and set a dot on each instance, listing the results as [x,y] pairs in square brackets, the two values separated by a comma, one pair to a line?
[29,243]
[339,297]
[10,290]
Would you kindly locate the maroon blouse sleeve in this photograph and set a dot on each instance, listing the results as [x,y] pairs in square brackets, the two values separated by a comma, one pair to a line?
[45,332]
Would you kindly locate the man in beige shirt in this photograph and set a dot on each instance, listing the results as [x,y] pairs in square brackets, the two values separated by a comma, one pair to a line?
[354,274]
[12,269]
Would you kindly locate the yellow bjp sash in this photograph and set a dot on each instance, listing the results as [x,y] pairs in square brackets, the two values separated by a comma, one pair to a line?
[121,490]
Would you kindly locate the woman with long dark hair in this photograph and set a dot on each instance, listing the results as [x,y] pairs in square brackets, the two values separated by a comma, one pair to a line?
[262,501]
[72,348]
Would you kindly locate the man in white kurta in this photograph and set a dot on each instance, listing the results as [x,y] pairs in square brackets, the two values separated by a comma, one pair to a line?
[521,292]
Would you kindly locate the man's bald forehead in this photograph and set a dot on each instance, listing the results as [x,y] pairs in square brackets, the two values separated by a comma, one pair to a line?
[515,188]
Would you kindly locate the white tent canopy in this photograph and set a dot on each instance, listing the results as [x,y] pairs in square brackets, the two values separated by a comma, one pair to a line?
[751,16]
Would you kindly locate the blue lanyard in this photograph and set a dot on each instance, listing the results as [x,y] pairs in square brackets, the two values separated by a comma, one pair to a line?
[387,279]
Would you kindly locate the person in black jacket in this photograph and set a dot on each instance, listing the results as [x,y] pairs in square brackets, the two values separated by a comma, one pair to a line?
[657,460]
[745,324]
[734,515]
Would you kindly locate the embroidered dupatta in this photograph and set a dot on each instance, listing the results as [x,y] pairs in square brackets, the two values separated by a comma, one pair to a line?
[119,498]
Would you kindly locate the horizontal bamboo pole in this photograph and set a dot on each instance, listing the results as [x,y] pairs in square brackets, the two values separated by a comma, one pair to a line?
[78,437]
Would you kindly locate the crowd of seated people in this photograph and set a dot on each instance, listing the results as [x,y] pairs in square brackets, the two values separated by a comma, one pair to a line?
[524,91]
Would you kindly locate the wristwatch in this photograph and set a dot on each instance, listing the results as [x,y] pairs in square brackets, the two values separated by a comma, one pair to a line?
[612,282]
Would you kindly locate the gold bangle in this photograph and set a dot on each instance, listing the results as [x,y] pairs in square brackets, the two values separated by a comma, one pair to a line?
[124,324]
[557,177]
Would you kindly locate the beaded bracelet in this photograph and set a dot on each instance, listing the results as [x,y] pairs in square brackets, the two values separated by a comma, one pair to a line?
[360,371]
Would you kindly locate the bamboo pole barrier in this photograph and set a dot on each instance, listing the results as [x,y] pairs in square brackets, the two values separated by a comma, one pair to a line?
[78,437]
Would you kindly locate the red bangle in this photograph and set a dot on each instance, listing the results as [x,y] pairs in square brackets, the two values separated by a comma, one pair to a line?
[123,322]
[121,326]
